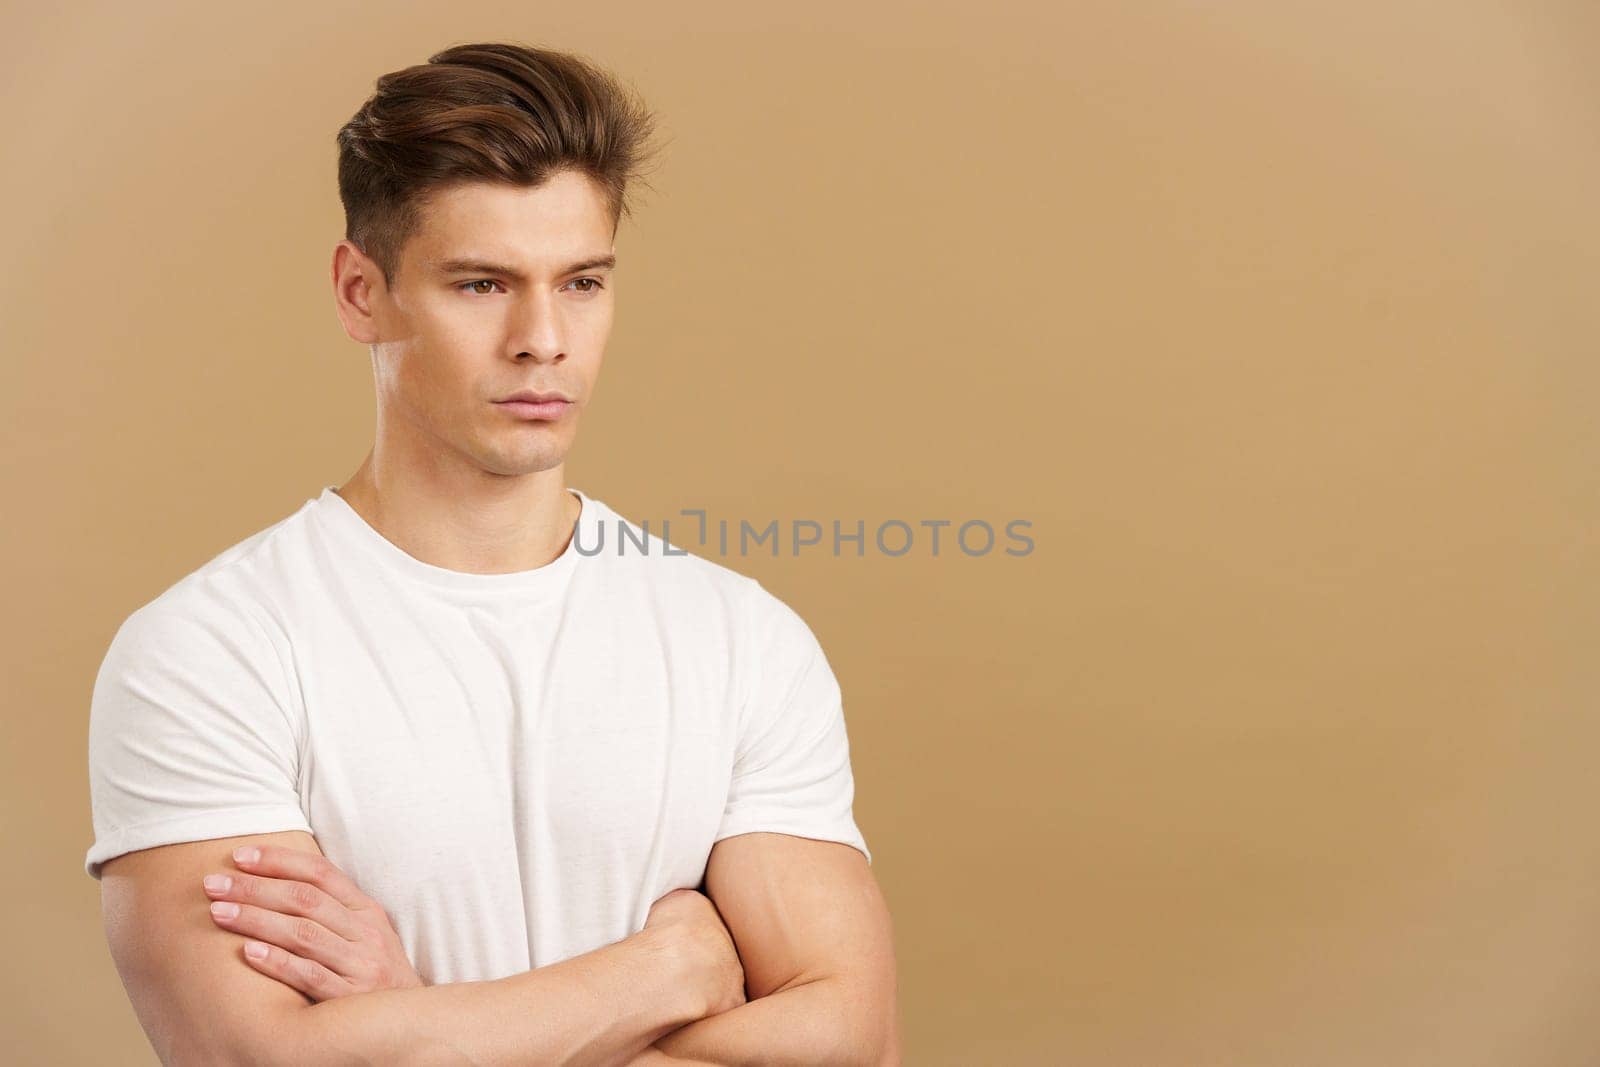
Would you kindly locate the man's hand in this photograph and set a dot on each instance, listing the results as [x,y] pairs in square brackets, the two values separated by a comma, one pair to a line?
[320,933]
[690,921]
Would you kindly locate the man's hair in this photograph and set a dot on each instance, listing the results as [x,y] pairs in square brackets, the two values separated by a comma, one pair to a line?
[494,112]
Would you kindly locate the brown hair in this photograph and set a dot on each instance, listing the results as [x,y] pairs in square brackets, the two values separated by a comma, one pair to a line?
[484,112]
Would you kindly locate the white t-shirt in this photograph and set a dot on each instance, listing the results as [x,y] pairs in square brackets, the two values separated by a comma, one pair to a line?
[516,766]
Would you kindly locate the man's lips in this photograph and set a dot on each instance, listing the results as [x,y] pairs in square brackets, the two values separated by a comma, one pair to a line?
[534,397]
[536,406]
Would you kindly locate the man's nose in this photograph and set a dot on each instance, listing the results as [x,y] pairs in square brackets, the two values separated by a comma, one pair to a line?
[537,332]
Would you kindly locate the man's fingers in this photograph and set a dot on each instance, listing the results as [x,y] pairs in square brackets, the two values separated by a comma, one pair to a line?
[280,895]
[302,937]
[308,976]
[300,866]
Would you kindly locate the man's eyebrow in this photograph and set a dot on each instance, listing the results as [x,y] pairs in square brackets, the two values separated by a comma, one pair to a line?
[478,265]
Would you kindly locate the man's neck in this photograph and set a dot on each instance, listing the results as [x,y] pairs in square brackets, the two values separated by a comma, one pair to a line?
[492,525]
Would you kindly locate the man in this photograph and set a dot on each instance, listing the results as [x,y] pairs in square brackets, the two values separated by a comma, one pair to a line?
[477,750]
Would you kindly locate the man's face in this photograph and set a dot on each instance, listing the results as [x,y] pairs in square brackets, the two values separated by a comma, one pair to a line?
[498,292]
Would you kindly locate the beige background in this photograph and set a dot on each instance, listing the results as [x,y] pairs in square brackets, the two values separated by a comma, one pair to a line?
[1276,320]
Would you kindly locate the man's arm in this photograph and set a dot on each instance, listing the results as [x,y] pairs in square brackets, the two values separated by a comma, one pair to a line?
[814,935]
[200,1002]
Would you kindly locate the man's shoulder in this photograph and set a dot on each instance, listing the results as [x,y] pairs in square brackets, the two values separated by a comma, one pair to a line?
[687,565]
[661,551]
[685,581]
[229,593]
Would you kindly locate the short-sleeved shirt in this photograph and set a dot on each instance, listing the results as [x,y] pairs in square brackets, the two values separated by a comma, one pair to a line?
[516,766]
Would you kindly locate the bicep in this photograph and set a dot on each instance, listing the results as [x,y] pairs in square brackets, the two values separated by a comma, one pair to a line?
[191,988]
[801,909]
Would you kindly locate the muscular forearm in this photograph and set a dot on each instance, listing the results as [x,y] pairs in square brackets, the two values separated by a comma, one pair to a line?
[825,1021]
[599,1009]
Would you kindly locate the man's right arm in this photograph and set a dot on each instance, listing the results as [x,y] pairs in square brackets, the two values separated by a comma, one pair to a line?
[201,1003]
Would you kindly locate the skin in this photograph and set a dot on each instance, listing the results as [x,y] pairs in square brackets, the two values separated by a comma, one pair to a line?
[461,484]
[332,939]
[452,479]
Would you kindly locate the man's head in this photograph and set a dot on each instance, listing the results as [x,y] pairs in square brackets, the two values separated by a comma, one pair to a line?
[482,194]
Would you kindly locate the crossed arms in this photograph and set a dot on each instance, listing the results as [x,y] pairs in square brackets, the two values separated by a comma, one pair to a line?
[808,920]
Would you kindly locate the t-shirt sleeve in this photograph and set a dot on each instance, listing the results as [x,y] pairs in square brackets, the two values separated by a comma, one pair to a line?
[191,729]
[791,770]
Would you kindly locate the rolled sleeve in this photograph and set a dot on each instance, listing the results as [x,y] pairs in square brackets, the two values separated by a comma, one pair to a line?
[792,771]
[191,729]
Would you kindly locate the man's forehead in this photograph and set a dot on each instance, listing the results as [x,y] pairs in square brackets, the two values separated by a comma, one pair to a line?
[489,228]
[439,241]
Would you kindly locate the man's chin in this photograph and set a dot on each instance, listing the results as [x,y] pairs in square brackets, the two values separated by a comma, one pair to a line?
[519,464]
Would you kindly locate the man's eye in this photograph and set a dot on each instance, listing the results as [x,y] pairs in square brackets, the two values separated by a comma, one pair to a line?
[594,284]
[480,281]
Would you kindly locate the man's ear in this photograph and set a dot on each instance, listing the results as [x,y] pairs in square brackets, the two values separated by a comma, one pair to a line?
[355,278]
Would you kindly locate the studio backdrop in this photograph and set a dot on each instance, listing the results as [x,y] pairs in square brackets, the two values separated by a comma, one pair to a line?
[1211,387]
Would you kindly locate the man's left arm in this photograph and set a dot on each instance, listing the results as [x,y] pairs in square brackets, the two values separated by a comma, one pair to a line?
[813,932]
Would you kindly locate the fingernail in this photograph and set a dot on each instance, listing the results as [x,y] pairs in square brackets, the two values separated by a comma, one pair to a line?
[218,883]
[255,950]
[224,909]
[246,854]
